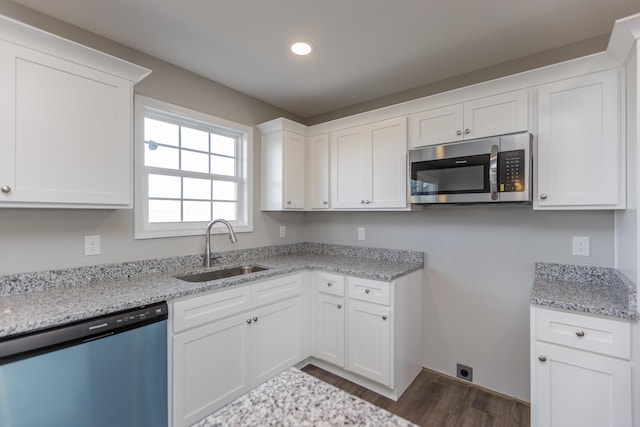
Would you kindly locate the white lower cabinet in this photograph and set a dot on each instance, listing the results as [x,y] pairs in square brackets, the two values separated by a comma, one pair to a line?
[580,370]
[369,331]
[225,343]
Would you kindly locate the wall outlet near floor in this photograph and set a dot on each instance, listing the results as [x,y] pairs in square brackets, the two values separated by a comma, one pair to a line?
[580,246]
[464,372]
[283,231]
[92,245]
[360,233]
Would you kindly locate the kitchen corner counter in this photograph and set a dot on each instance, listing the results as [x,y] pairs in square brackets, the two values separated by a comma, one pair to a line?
[295,398]
[593,290]
[34,301]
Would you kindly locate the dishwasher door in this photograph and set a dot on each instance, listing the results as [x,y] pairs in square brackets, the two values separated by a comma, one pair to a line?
[116,378]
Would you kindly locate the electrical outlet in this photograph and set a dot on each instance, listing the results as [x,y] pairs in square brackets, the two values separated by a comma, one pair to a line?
[92,245]
[360,233]
[464,372]
[580,246]
[283,231]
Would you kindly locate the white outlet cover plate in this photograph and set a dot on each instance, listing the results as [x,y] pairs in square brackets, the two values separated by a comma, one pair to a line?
[581,246]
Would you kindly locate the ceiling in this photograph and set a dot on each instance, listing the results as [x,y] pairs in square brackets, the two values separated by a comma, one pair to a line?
[363,49]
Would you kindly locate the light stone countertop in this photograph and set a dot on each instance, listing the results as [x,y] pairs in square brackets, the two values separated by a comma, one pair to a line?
[34,301]
[591,290]
[296,399]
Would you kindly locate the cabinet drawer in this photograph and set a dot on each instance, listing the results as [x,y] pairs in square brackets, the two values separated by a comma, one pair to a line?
[275,290]
[200,310]
[369,290]
[598,335]
[331,283]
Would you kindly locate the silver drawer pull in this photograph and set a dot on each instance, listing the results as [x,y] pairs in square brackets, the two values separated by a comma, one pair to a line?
[339,306]
[5,189]
[329,284]
[255,319]
[366,291]
[580,333]
[249,321]
[542,358]
[384,317]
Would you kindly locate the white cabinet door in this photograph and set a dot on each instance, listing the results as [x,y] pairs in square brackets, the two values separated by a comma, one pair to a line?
[294,170]
[369,343]
[318,171]
[580,151]
[490,116]
[349,157]
[437,126]
[211,367]
[496,115]
[66,132]
[276,338]
[330,329]
[576,388]
[388,167]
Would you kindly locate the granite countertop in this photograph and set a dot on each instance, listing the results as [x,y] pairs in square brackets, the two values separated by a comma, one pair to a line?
[594,290]
[33,301]
[294,398]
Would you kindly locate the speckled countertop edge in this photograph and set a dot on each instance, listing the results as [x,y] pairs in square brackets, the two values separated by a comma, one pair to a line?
[63,296]
[295,398]
[599,291]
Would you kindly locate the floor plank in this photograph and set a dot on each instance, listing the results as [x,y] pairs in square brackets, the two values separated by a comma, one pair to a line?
[434,400]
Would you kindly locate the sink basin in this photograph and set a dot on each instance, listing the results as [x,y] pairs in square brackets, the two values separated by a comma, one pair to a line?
[221,274]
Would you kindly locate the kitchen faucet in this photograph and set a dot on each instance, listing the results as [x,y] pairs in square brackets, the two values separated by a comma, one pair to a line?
[207,248]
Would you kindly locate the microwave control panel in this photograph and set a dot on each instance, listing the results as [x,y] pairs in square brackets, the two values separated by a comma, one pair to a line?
[511,169]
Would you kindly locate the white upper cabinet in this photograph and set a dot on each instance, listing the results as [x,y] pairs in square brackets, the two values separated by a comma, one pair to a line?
[66,127]
[493,115]
[580,147]
[283,165]
[318,171]
[369,166]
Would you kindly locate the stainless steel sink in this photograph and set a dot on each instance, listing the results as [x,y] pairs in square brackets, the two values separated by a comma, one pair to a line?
[221,274]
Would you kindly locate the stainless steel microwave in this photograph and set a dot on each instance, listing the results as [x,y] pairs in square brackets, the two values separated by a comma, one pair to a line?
[489,170]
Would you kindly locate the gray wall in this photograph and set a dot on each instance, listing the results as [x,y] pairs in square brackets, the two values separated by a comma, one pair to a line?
[478,276]
[479,260]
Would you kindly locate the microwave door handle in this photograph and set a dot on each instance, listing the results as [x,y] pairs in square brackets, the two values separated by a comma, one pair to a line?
[493,172]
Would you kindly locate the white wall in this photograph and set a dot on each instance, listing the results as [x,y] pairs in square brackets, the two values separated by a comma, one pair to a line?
[479,275]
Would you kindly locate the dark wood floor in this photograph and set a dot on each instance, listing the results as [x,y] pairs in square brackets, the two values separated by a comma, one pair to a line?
[434,399]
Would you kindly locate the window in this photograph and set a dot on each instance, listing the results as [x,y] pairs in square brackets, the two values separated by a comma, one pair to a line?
[190,168]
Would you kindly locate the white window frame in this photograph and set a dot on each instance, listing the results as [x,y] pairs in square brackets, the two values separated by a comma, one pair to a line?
[146,230]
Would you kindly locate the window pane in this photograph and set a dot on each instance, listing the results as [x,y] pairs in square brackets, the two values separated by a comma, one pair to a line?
[161,157]
[225,210]
[164,186]
[160,132]
[223,190]
[197,211]
[221,144]
[223,166]
[197,189]
[195,162]
[195,139]
[164,211]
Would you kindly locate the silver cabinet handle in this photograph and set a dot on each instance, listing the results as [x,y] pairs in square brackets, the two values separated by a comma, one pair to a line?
[5,189]
[255,319]
[329,284]
[493,172]
[384,317]
[543,196]
[458,132]
[367,202]
[324,202]
[249,321]
[339,306]
[467,131]
[366,291]
[542,358]
[362,202]
[580,333]
[288,202]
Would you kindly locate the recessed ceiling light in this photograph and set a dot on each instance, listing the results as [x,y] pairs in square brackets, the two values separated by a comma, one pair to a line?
[301,48]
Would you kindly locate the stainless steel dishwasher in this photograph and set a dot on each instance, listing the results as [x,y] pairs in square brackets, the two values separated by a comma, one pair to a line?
[105,371]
